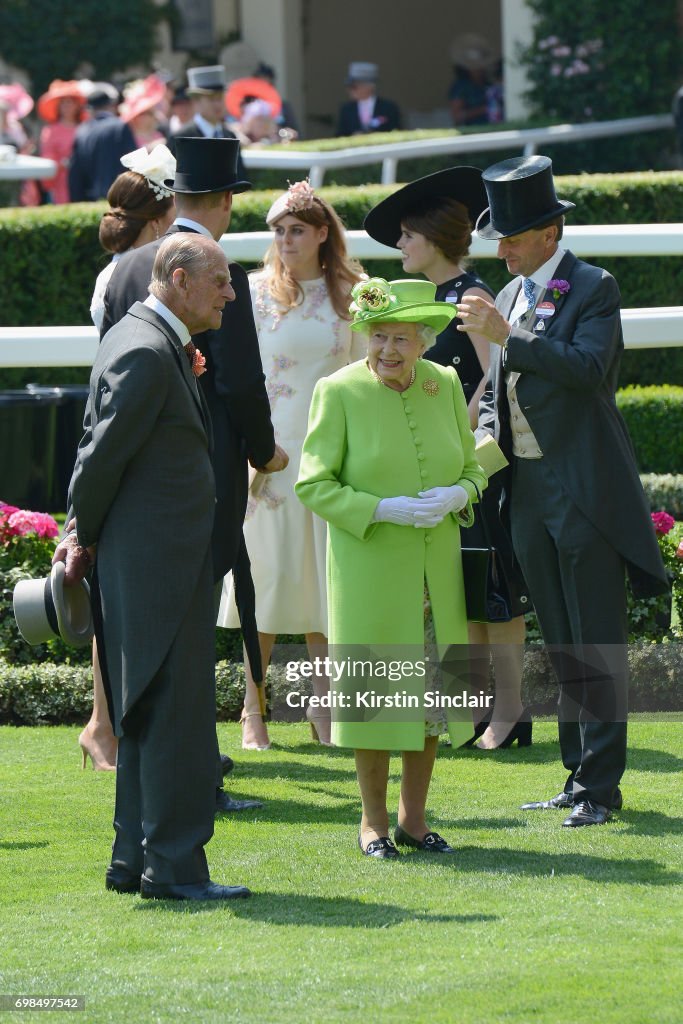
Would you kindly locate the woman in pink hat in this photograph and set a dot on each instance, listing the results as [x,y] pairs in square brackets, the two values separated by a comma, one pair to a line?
[63,108]
[138,109]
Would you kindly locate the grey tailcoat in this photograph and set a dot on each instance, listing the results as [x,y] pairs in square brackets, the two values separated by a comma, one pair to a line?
[568,370]
[143,491]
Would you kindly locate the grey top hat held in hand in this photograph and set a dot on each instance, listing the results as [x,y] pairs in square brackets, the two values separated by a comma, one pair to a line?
[521,196]
[46,609]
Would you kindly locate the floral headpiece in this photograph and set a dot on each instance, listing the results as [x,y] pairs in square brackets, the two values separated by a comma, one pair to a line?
[404,301]
[371,297]
[155,167]
[299,196]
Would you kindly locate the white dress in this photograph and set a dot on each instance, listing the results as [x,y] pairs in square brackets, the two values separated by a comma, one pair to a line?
[97,301]
[286,542]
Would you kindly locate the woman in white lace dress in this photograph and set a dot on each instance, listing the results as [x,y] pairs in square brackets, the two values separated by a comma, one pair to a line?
[300,302]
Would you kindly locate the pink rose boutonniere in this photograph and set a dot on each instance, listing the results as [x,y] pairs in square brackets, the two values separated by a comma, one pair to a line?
[558,286]
[198,363]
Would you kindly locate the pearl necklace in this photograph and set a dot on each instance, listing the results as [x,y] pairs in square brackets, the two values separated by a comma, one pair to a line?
[413,374]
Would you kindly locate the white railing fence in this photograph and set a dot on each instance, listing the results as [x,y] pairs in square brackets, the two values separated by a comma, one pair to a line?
[526,140]
[649,327]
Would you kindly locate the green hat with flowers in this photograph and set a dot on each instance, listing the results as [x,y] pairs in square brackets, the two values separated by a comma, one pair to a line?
[399,302]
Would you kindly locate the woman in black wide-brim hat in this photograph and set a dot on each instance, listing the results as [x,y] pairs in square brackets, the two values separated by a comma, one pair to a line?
[431,221]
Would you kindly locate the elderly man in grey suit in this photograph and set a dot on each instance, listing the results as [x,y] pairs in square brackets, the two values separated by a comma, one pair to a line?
[143,496]
[578,515]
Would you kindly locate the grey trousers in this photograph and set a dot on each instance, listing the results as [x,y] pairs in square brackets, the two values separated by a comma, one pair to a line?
[166,767]
[577,582]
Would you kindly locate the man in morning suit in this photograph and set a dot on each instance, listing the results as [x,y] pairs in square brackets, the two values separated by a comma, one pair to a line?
[143,497]
[207,87]
[99,144]
[366,111]
[578,515]
[234,384]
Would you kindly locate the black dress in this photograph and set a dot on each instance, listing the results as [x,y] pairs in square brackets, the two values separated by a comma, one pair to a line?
[454,348]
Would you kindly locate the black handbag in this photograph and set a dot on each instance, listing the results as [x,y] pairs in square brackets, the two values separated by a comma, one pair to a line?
[487,595]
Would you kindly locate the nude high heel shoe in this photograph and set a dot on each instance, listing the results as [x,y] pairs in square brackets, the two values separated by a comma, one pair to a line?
[253,744]
[99,759]
[321,725]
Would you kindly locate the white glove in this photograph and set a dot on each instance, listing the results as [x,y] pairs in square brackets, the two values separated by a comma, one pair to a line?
[438,502]
[401,511]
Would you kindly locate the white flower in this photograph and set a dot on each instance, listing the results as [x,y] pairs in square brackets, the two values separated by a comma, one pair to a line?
[157,167]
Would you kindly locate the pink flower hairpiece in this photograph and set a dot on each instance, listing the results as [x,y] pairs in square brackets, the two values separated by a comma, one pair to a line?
[300,196]
[559,286]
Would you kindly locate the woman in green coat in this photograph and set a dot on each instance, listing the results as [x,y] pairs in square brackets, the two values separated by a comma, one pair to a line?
[389,463]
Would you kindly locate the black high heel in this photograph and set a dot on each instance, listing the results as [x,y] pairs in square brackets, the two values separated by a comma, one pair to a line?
[521,731]
[479,730]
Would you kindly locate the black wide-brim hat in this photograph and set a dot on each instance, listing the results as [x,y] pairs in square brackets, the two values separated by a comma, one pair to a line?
[206,165]
[465,184]
[521,196]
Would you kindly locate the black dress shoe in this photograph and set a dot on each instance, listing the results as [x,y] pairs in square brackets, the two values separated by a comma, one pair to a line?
[195,891]
[226,805]
[383,848]
[432,842]
[227,764]
[587,813]
[559,802]
[118,880]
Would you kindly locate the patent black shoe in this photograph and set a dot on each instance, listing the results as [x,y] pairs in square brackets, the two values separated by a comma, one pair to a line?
[227,764]
[195,891]
[432,842]
[118,880]
[479,730]
[226,805]
[559,802]
[521,731]
[383,848]
[587,813]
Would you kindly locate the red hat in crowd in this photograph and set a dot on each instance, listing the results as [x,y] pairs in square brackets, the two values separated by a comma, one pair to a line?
[48,104]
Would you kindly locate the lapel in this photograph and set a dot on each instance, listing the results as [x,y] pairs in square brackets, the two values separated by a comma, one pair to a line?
[145,313]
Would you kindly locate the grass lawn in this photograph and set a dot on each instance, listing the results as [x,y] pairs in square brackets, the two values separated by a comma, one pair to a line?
[530,922]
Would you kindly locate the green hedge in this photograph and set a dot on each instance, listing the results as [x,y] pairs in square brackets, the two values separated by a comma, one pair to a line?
[654,417]
[47,694]
[51,256]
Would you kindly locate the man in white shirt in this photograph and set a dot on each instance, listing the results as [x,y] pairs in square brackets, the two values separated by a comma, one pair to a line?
[207,89]
[578,515]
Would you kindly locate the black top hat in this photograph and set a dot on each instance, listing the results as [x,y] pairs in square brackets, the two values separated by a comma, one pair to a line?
[521,195]
[206,165]
[383,223]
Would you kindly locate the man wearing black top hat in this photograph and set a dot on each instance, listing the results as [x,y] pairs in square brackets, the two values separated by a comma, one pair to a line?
[233,384]
[579,519]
